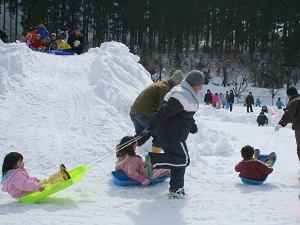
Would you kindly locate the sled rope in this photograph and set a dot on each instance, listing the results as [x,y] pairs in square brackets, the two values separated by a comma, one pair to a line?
[128,143]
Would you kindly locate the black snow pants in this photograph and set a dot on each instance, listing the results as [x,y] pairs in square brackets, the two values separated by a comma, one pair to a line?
[176,158]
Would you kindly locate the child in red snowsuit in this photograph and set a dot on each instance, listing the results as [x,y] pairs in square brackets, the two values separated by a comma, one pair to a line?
[253,168]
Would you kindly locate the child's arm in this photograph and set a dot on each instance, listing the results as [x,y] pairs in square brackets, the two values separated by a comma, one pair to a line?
[238,167]
[27,184]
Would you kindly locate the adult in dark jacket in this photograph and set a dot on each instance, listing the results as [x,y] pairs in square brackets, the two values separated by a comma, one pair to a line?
[262,119]
[249,102]
[208,97]
[292,115]
[148,103]
[231,100]
[76,41]
[172,125]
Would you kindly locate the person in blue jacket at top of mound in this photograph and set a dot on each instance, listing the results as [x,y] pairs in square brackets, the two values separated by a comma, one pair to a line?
[255,166]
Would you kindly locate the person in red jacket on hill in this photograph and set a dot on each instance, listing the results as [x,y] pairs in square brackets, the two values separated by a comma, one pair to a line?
[255,166]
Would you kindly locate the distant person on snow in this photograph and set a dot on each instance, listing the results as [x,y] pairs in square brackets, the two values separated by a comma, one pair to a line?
[34,40]
[231,100]
[76,41]
[249,102]
[61,42]
[257,102]
[223,100]
[52,45]
[148,103]
[208,98]
[16,180]
[279,103]
[171,125]
[292,115]
[216,101]
[253,166]
[262,119]
[133,165]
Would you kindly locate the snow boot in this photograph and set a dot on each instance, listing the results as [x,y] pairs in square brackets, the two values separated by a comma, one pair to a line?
[272,159]
[176,194]
[149,166]
[61,175]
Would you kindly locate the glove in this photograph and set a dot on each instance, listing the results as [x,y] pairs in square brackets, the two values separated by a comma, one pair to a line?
[145,132]
[146,182]
[278,126]
[194,129]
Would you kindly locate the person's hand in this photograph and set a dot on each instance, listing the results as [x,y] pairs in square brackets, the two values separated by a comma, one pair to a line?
[194,129]
[146,182]
[145,132]
[278,127]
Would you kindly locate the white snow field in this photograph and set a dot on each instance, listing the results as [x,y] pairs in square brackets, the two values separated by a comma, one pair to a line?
[74,110]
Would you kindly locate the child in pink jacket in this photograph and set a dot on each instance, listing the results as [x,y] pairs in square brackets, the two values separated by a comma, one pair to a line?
[216,101]
[15,179]
[133,165]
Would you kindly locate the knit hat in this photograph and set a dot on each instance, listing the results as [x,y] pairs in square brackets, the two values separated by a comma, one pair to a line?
[195,77]
[177,76]
[291,92]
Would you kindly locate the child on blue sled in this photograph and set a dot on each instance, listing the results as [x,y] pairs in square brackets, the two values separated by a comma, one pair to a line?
[255,168]
[133,165]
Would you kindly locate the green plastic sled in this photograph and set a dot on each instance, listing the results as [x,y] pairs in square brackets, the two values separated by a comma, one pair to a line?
[76,175]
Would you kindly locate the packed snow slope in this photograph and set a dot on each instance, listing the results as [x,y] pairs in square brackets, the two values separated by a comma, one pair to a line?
[74,110]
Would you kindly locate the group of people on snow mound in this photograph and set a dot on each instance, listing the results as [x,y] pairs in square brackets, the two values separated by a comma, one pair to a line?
[220,100]
[165,111]
[40,39]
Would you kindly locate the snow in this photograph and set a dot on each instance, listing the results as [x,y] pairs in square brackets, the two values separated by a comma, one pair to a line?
[74,110]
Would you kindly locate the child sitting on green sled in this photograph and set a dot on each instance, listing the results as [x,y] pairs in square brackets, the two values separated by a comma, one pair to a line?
[16,180]
[255,166]
[133,165]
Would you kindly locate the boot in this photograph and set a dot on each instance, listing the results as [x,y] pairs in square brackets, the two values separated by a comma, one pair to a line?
[176,193]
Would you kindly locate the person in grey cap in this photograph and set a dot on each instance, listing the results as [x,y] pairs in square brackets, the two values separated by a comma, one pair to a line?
[148,103]
[171,126]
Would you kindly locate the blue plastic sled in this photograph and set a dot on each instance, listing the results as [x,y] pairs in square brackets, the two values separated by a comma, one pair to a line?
[59,52]
[263,158]
[121,179]
[251,182]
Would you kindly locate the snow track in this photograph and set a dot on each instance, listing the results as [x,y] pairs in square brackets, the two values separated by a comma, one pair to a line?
[74,110]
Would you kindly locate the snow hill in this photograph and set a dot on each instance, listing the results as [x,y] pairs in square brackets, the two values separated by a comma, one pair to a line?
[74,110]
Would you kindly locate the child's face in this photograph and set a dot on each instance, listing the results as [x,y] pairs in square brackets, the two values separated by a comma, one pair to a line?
[20,164]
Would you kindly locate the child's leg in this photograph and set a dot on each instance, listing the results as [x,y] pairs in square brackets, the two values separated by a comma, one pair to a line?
[59,176]
[177,179]
[271,160]
[157,173]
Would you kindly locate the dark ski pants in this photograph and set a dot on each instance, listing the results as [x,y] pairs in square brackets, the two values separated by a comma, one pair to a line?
[230,106]
[176,158]
[141,123]
[249,108]
[297,135]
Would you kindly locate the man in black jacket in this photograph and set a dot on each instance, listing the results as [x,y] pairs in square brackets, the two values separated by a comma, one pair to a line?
[292,115]
[249,102]
[172,125]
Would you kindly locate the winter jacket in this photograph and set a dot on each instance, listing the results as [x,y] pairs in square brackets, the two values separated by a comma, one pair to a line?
[174,121]
[135,168]
[149,101]
[253,169]
[43,32]
[262,119]
[73,40]
[230,98]
[250,100]
[216,100]
[279,104]
[33,41]
[292,113]
[62,45]
[18,183]
[208,98]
